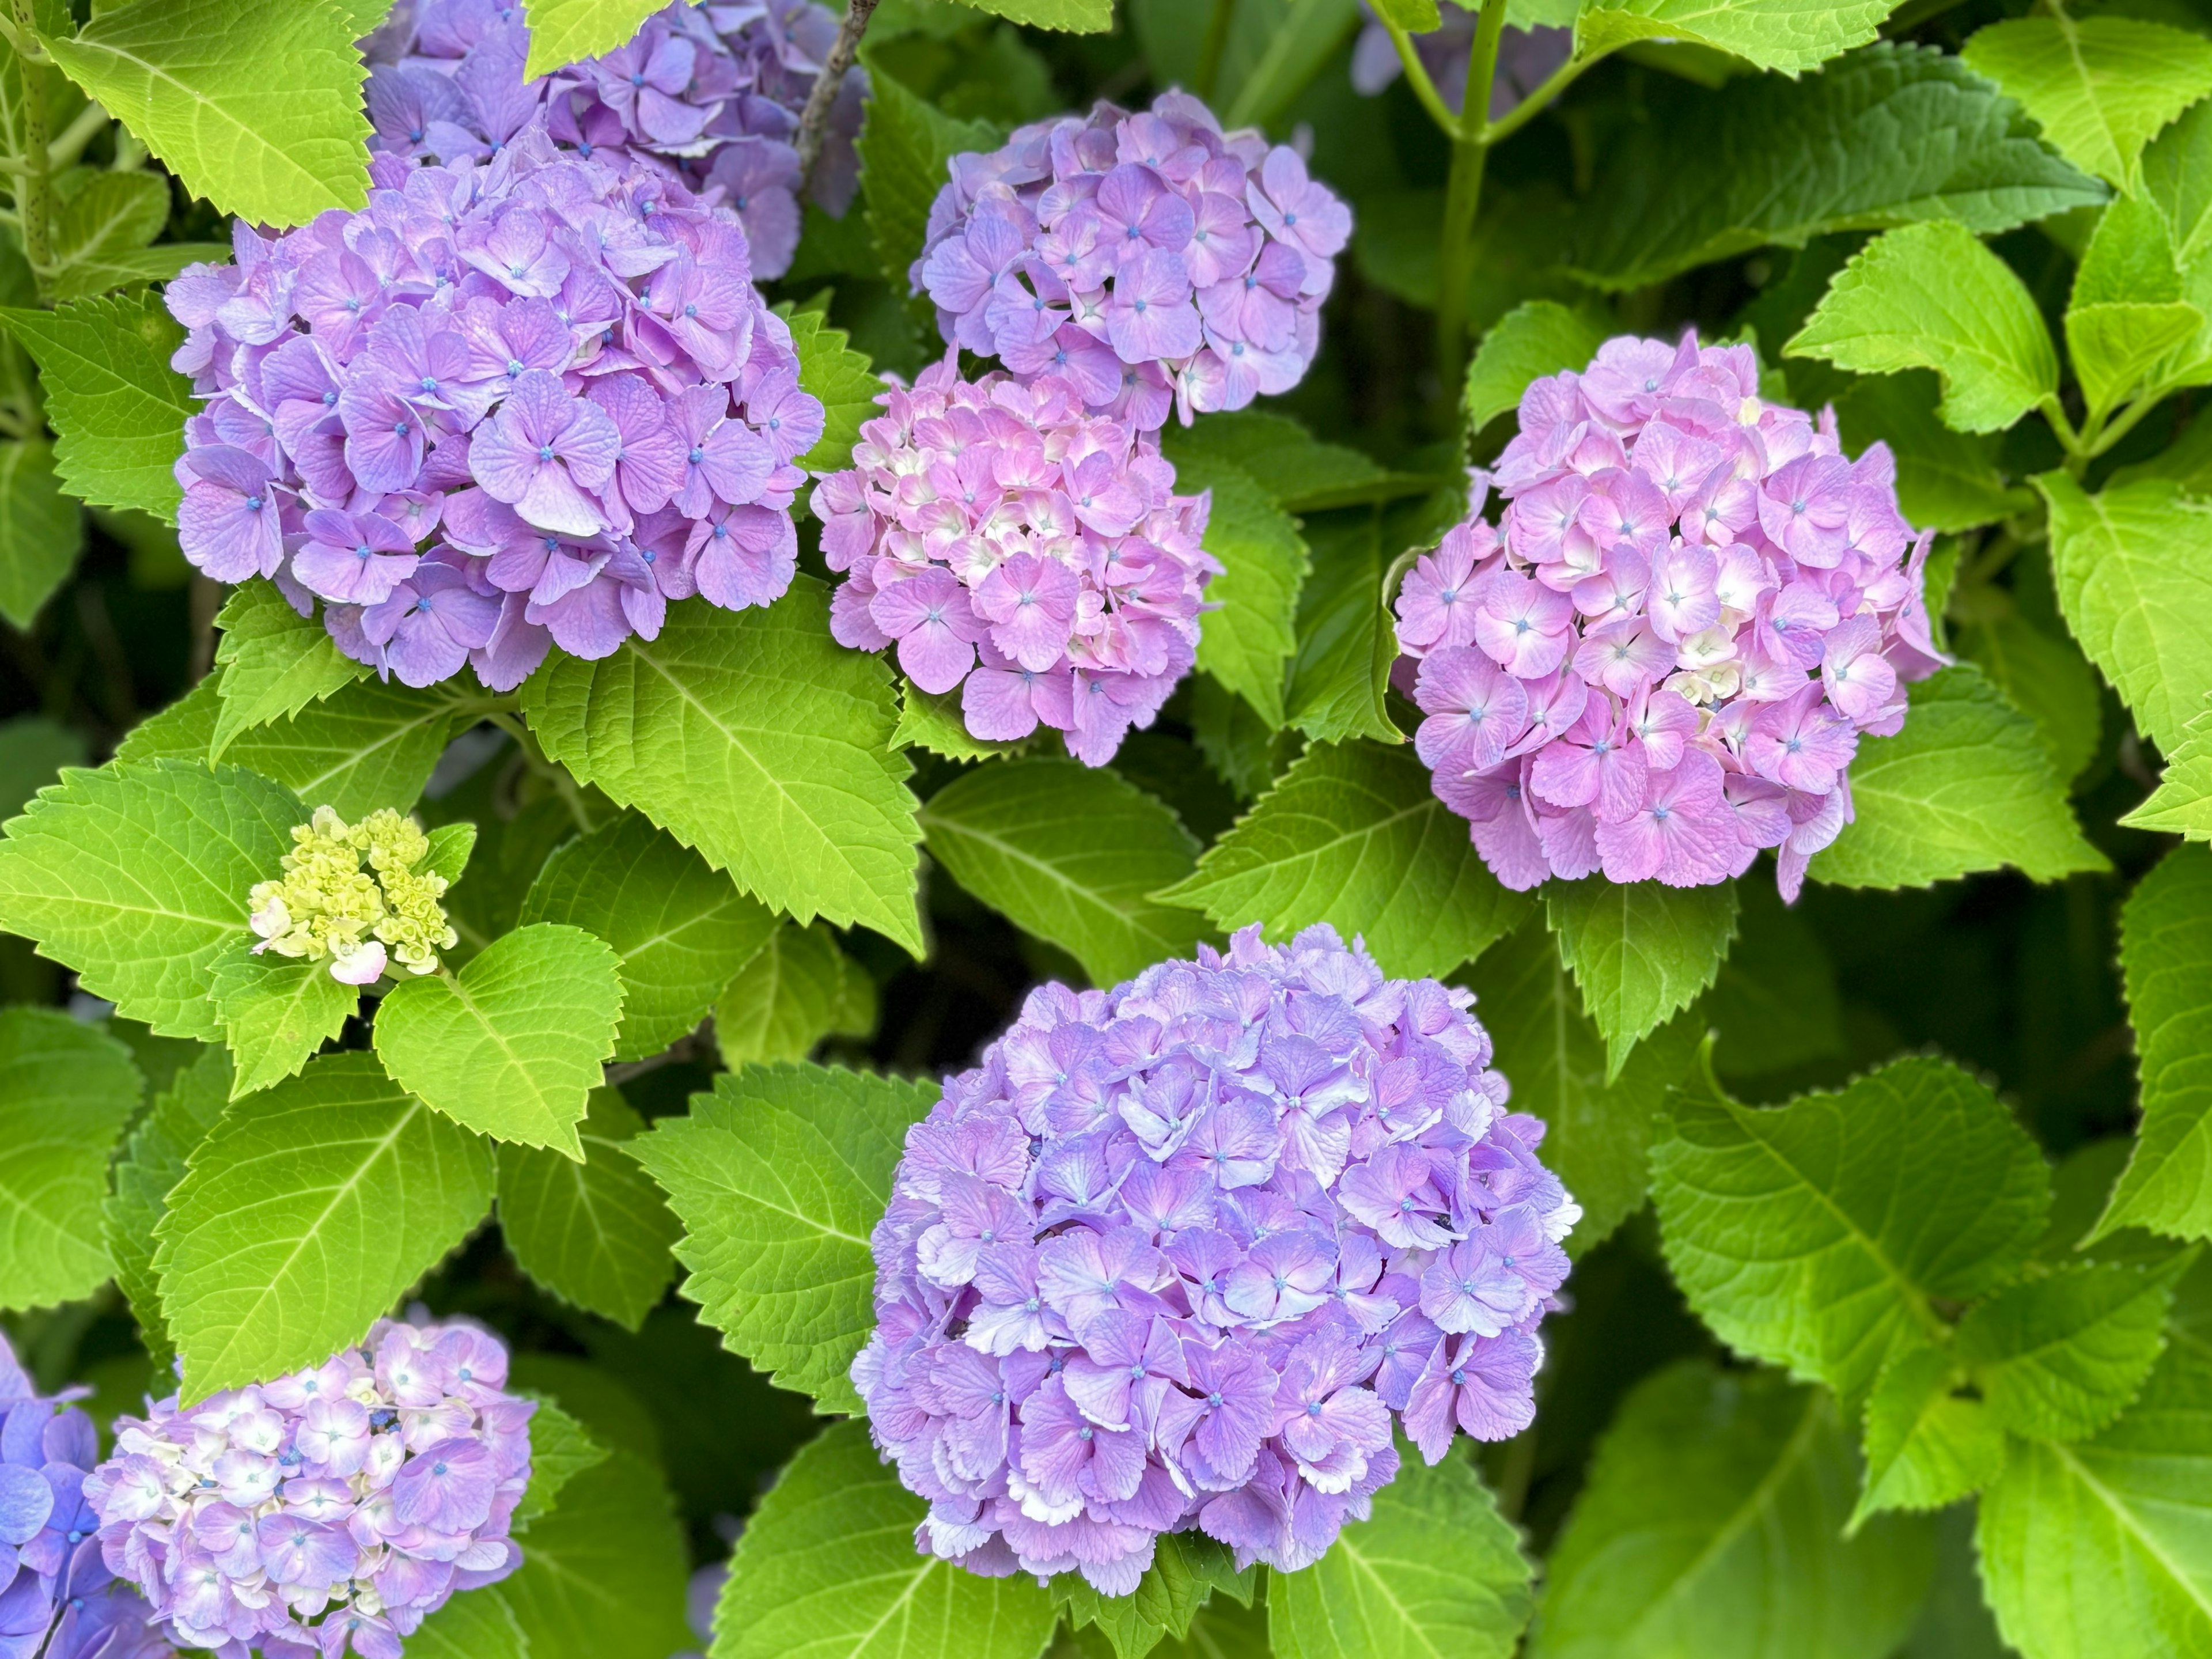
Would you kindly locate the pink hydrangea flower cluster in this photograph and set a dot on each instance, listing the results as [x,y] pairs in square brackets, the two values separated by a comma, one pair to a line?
[503,406]
[707,93]
[1035,556]
[1662,660]
[1178,1255]
[329,1512]
[1155,260]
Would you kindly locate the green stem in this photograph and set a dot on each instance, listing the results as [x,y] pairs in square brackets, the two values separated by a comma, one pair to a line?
[1216,44]
[68,144]
[31,185]
[552,772]
[1540,98]
[1424,90]
[2077,456]
[1462,196]
[2121,424]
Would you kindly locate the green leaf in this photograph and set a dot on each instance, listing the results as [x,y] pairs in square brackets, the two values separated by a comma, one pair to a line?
[151,1164]
[1536,339]
[1926,1445]
[2101,88]
[906,148]
[105,222]
[1932,296]
[1713,1525]
[603,1576]
[41,531]
[755,737]
[2100,1550]
[1816,1234]
[1435,1569]
[2127,311]
[2133,569]
[2046,678]
[1890,136]
[680,929]
[511,1046]
[1967,786]
[596,1234]
[1340,676]
[1774,1005]
[2165,956]
[778,1176]
[1353,835]
[137,877]
[1640,952]
[561,1449]
[1075,16]
[1248,643]
[307,1212]
[367,745]
[2060,1357]
[118,408]
[1244,752]
[1188,1568]
[826,1569]
[935,722]
[2182,803]
[1946,480]
[1298,471]
[798,988]
[191,79]
[1069,853]
[66,1089]
[276,1013]
[275,662]
[843,379]
[1597,1134]
[565,32]
[32,752]
[479,1626]
[1789,35]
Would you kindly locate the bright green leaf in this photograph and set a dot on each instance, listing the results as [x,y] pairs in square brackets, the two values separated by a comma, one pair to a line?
[682,930]
[2182,804]
[66,1089]
[307,1214]
[275,662]
[1188,1570]
[1076,16]
[41,531]
[191,78]
[511,1046]
[101,233]
[478,1625]
[755,737]
[2127,311]
[1435,1569]
[1818,1234]
[778,1176]
[561,1449]
[152,1161]
[1353,835]
[137,877]
[1946,480]
[2101,88]
[1340,675]
[603,1576]
[118,408]
[1713,1525]
[1926,1444]
[935,722]
[1640,951]
[798,988]
[2059,1357]
[367,745]
[596,1234]
[1071,853]
[1789,35]
[845,381]
[1536,339]
[1248,643]
[565,32]
[2133,569]
[1967,786]
[2046,678]
[276,1013]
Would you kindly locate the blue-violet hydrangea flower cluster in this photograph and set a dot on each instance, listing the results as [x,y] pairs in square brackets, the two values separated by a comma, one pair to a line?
[709,94]
[328,1511]
[502,406]
[1156,260]
[1662,661]
[1008,540]
[58,1599]
[1174,1255]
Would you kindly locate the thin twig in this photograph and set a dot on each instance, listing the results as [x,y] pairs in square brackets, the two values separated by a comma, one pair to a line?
[697,1045]
[816,116]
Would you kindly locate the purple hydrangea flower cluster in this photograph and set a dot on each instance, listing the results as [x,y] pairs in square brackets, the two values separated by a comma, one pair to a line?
[503,406]
[58,1599]
[1009,541]
[1174,1255]
[706,93]
[1156,260]
[1662,660]
[328,1511]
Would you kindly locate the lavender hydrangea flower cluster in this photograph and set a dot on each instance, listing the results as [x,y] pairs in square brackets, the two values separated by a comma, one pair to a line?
[501,407]
[1157,260]
[706,93]
[1174,1255]
[58,1599]
[1662,660]
[329,1512]
[1014,546]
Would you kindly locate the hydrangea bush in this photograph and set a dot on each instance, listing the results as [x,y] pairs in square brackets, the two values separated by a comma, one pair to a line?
[1058,829]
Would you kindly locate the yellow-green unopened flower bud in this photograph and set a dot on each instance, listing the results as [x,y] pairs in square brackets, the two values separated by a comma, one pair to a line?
[326,905]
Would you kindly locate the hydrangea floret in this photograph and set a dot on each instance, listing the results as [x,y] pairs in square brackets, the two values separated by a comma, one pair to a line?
[1033,556]
[502,407]
[1158,261]
[709,95]
[328,1511]
[1178,1255]
[1663,658]
[58,1598]
[326,906]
